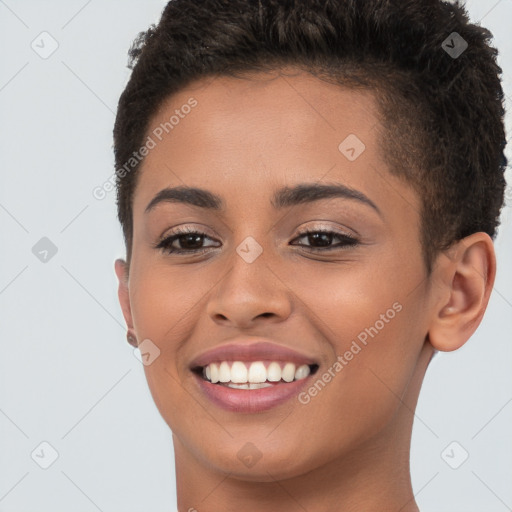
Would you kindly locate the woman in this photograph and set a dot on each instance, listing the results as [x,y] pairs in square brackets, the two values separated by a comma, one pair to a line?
[309,193]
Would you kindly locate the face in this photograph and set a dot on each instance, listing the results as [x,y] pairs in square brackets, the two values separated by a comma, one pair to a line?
[299,261]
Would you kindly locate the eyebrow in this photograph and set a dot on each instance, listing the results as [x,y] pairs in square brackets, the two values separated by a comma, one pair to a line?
[283,198]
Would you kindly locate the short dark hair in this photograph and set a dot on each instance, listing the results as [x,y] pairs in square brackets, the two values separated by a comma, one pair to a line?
[441,113]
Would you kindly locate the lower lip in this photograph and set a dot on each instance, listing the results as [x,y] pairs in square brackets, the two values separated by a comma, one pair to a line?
[251,400]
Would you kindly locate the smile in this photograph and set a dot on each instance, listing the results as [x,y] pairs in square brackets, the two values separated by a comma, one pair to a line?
[256,374]
[251,387]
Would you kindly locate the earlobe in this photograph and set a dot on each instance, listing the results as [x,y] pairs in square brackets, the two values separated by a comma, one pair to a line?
[468,278]
[123,292]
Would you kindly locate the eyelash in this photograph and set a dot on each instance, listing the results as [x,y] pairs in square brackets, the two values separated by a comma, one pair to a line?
[166,244]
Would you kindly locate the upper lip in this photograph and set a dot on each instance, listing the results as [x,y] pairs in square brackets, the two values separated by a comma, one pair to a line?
[251,351]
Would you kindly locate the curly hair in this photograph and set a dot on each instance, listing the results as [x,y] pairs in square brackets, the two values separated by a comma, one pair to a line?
[441,114]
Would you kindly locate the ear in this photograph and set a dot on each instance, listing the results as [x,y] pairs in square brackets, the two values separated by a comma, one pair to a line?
[466,279]
[121,268]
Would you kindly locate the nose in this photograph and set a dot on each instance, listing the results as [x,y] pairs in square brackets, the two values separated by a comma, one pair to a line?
[250,294]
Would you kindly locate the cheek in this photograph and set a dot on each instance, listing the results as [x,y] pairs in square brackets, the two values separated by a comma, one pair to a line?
[165,304]
[374,327]
[165,310]
[351,302]
[358,395]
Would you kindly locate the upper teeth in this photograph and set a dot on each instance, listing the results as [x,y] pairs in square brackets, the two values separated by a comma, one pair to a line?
[256,372]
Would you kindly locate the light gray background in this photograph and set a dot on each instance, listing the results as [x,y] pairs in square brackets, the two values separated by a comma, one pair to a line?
[67,375]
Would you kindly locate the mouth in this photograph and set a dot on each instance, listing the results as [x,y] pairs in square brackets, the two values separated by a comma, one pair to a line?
[252,375]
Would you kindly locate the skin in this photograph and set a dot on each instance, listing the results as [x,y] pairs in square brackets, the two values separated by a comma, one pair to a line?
[348,448]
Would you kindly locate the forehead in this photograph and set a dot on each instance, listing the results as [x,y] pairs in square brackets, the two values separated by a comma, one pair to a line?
[267,107]
[255,133]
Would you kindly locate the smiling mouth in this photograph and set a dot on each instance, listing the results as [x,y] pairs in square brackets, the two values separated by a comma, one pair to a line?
[249,375]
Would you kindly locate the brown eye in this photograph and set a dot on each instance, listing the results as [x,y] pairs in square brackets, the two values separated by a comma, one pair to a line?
[323,240]
[185,242]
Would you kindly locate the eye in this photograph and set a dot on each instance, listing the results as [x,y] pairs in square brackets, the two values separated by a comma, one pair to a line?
[185,241]
[192,241]
[321,240]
